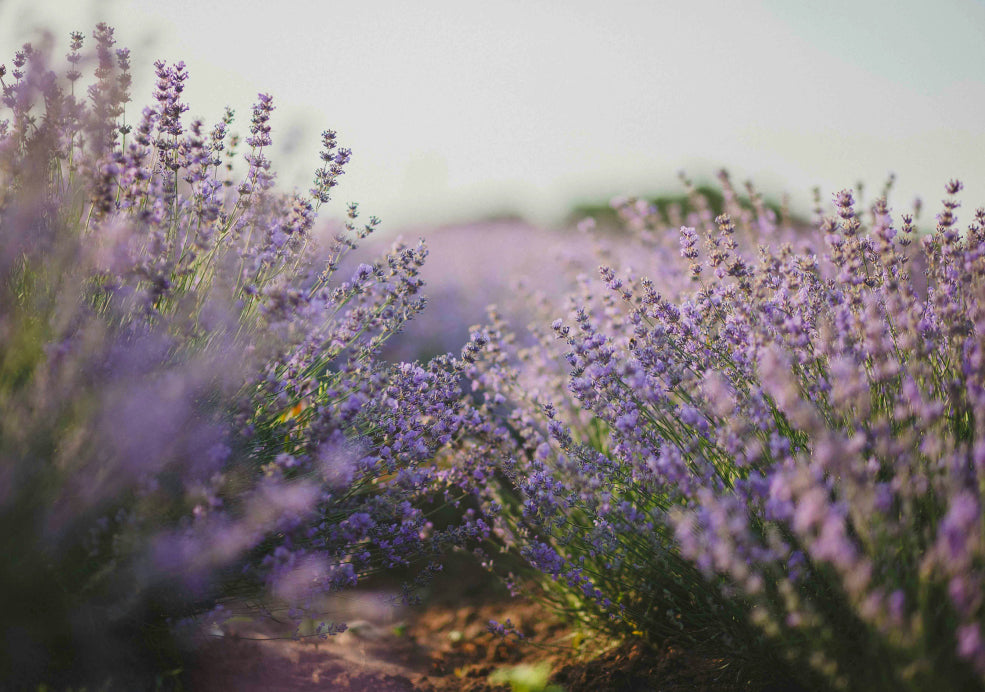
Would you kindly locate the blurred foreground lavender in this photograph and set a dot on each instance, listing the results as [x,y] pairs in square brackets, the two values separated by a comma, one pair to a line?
[192,419]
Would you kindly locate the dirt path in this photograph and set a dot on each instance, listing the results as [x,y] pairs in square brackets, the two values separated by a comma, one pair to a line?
[438,649]
[387,647]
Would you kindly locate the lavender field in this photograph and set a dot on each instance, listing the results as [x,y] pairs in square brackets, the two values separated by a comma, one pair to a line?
[228,408]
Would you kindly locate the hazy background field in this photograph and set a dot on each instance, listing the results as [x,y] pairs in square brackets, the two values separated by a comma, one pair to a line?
[461,110]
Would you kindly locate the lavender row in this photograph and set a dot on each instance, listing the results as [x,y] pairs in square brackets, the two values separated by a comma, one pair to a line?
[776,456]
[746,435]
[194,421]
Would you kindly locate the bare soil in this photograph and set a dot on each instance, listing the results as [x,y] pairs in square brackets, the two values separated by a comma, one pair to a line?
[441,646]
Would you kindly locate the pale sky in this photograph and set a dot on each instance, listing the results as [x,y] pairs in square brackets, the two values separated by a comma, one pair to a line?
[456,109]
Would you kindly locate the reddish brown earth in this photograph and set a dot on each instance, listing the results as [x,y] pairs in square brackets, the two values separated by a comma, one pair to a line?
[442,649]
[442,646]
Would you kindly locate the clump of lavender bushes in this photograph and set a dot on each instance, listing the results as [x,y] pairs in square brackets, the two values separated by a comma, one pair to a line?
[754,438]
[773,453]
[192,417]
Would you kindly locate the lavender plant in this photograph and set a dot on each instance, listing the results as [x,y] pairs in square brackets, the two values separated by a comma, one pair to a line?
[780,462]
[193,418]
[772,456]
